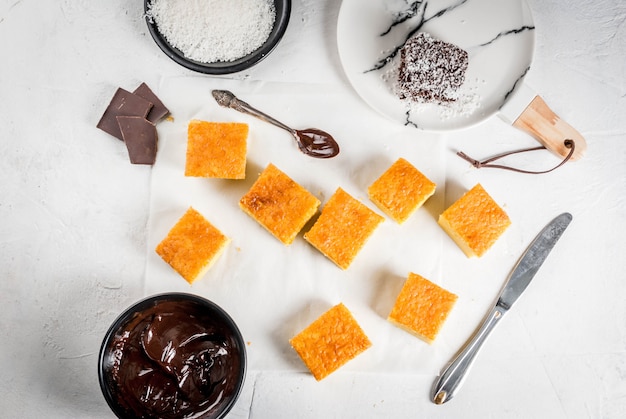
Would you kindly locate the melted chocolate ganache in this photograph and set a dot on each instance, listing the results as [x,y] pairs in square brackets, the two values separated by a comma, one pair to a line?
[174,361]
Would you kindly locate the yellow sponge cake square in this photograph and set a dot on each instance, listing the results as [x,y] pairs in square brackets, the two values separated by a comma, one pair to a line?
[422,307]
[216,149]
[279,204]
[342,228]
[401,190]
[192,245]
[330,341]
[475,221]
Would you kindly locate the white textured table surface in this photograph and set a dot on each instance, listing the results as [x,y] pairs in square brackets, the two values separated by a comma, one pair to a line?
[75,215]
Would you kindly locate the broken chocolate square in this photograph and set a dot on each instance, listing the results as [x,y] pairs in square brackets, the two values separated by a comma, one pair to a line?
[159,110]
[140,136]
[124,103]
[132,118]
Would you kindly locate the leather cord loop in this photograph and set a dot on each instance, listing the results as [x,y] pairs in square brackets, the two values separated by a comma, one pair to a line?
[569,143]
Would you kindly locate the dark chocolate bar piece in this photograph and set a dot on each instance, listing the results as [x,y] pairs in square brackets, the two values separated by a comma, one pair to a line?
[124,103]
[159,110]
[140,136]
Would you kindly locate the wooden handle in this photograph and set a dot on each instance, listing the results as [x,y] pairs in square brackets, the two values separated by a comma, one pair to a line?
[542,123]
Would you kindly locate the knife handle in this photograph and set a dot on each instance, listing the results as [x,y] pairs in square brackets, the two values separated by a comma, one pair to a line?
[452,376]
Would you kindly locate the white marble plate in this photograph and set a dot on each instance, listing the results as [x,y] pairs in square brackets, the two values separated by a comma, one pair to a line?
[497,34]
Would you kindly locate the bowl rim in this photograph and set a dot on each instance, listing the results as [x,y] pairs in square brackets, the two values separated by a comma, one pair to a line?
[150,301]
[224,67]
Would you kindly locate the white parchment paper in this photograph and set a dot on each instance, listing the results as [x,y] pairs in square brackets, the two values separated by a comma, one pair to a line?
[271,290]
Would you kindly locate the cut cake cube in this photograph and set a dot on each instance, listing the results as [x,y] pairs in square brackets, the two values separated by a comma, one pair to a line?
[474,222]
[330,341]
[279,204]
[422,307]
[401,190]
[216,149]
[342,228]
[192,245]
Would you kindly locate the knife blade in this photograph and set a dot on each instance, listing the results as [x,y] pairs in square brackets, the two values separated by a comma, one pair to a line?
[452,376]
[526,110]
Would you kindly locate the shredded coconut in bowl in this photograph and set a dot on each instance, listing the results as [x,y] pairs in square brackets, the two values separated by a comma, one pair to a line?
[210,31]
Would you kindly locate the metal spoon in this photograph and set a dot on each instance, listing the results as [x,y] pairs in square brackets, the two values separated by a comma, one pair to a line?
[311,141]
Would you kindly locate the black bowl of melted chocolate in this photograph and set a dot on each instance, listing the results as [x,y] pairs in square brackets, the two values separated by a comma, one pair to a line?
[172,356]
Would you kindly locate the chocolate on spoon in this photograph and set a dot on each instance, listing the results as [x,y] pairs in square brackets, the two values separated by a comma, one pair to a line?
[311,141]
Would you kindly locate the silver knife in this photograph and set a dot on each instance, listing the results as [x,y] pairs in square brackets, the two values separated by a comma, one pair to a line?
[451,377]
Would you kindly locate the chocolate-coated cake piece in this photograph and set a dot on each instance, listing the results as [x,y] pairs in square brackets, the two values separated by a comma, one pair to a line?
[430,70]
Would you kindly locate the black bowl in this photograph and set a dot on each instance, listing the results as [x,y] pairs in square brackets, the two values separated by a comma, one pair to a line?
[283,12]
[126,372]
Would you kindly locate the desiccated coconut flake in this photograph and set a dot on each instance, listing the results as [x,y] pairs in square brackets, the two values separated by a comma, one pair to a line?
[210,31]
